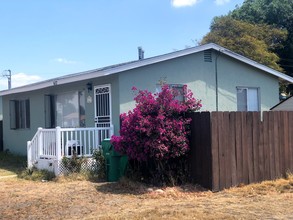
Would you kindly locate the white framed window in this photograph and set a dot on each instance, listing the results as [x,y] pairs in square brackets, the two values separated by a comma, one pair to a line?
[19,114]
[176,87]
[65,110]
[248,99]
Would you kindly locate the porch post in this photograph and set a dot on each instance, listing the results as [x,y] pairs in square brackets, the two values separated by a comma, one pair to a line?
[29,155]
[40,142]
[58,149]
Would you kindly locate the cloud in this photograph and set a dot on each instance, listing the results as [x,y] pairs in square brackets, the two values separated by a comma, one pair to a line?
[184,3]
[19,79]
[222,2]
[64,61]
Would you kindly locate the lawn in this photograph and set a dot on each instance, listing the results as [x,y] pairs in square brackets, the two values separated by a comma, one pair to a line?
[77,198]
[11,164]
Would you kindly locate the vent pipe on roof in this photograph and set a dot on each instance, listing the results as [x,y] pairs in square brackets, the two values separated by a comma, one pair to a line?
[140,53]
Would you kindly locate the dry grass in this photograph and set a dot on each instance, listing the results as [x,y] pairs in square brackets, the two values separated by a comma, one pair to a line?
[81,199]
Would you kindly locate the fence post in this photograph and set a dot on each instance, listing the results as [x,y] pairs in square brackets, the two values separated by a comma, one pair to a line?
[58,149]
[29,155]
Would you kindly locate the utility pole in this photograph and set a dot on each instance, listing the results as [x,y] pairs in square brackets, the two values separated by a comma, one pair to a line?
[7,73]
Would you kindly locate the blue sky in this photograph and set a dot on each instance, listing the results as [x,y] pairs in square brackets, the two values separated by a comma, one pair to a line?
[42,39]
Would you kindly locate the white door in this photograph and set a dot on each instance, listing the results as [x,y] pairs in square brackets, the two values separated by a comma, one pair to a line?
[103,106]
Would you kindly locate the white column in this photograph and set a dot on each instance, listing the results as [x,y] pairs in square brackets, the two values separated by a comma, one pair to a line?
[40,142]
[29,155]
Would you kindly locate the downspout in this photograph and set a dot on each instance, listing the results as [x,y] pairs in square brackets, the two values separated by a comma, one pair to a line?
[216,79]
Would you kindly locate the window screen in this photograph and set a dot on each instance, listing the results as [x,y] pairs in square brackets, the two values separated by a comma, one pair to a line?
[247,99]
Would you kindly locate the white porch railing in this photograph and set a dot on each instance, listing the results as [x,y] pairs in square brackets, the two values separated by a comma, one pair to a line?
[53,144]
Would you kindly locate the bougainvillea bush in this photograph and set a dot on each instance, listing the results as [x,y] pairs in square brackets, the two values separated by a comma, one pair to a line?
[156,130]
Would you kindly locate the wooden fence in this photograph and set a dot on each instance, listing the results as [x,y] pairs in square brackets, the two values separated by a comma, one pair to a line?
[232,148]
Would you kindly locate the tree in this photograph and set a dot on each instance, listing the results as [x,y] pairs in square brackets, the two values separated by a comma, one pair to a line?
[255,41]
[278,13]
[155,131]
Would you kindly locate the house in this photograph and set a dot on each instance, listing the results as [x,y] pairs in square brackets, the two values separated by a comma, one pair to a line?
[285,105]
[222,79]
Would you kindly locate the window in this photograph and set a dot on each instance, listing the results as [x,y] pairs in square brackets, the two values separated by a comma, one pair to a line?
[65,110]
[176,87]
[19,114]
[50,119]
[247,99]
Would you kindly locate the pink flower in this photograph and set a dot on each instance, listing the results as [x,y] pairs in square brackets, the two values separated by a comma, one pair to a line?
[156,128]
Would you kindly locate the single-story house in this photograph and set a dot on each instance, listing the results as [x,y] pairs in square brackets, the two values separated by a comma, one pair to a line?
[285,105]
[222,79]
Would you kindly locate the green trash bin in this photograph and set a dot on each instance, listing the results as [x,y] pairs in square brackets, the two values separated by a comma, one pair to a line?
[116,163]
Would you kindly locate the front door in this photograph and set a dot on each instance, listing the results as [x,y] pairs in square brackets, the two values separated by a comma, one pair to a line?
[103,106]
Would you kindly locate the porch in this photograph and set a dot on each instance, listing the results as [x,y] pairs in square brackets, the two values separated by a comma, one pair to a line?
[49,146]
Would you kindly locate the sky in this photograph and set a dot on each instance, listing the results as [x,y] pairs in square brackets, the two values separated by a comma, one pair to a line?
[43,39]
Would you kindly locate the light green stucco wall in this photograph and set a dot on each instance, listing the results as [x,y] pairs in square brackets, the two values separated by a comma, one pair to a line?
[189,70]
[232,74]
[200,77]
[15,140]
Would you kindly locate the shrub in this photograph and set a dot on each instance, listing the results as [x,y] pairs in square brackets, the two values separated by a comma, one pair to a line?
[156,130]
[100,166]
[36,175]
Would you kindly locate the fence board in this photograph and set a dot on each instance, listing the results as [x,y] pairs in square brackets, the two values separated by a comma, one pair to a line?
[238,139]
[255,144]
[222,147]
[281,144]
[261,165]
[271,144]
[249,147]
[244,148]
[232,142]
[227,149]
[215,153]
[286,142]
[276,144]
[267,173]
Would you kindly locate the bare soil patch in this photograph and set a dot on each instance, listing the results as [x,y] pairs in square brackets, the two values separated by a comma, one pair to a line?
[65,199]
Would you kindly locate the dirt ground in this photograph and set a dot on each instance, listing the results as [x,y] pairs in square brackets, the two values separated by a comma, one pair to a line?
[22,199]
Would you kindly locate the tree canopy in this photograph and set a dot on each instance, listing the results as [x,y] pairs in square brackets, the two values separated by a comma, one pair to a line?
[278,13]
[264,26]
[255,41]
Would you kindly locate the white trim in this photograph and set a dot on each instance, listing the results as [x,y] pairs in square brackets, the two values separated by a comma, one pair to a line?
[247,88]
[140,63]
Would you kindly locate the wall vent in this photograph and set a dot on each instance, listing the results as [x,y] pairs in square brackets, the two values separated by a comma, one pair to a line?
[207,56]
